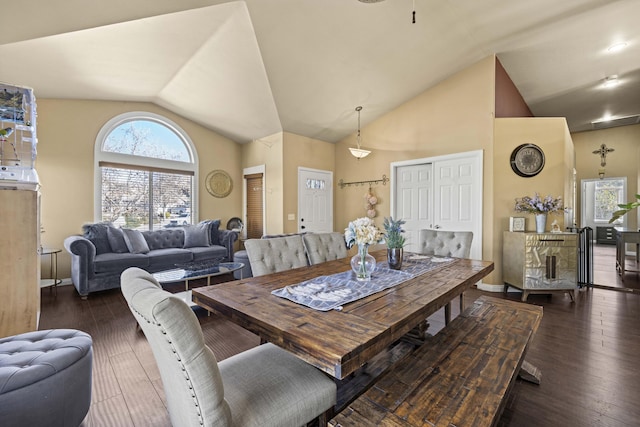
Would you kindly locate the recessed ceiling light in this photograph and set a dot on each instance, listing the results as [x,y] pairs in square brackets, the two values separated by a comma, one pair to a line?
[611,81]
[605,118]
[616,47]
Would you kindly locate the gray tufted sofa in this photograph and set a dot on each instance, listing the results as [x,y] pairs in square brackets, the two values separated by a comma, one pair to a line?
[45,378]
[103,252]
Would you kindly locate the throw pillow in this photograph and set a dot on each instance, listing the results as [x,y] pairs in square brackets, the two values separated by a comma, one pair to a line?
[97,234]
[214,232]
[196,235]
[116,240]
[135,241]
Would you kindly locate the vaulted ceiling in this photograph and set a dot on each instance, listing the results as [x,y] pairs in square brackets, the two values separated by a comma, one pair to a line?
[248,69]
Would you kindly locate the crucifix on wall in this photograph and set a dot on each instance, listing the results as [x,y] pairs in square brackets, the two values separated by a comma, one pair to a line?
[603,151]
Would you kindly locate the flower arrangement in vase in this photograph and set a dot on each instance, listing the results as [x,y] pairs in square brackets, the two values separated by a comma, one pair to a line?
[363,232]
[395,242]
[540,207]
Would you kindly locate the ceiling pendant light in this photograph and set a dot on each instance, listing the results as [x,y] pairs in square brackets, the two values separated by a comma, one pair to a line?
[358,152]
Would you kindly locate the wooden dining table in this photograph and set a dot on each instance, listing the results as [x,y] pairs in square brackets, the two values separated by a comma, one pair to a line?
[338,342]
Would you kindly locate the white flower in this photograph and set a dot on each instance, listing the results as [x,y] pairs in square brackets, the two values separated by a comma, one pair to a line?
[362,231]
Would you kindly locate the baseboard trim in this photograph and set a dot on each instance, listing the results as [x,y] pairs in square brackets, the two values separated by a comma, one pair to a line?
[490,288]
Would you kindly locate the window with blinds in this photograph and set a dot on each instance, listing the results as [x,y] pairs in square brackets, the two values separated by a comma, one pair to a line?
[147,168]
[254,226]
[146,199]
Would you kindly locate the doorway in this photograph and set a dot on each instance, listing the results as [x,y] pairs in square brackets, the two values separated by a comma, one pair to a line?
[315,200]
[443,192]
[599,199]
[253,195]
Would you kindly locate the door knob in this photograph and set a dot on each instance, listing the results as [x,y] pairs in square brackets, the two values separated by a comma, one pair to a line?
[437,227]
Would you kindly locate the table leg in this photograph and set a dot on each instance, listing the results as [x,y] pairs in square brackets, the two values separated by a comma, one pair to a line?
[530,373]
[447,313]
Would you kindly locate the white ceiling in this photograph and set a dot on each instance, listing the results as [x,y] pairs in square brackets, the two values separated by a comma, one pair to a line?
[248,69]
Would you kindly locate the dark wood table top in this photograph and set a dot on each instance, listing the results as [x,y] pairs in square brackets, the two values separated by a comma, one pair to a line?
[338,342]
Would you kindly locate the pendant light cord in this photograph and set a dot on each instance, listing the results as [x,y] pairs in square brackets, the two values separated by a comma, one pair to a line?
[413,21]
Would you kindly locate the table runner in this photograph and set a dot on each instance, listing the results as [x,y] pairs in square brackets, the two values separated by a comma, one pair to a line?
[326,293]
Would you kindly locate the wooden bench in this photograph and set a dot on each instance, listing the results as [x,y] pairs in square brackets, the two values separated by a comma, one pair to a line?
[459,377]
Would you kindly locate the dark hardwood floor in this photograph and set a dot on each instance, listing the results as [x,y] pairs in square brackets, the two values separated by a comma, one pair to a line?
[588,352]
[604,270]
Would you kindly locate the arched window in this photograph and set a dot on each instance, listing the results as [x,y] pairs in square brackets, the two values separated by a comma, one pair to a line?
[145,173]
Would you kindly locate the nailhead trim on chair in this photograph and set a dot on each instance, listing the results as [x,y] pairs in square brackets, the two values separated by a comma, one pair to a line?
[179,360]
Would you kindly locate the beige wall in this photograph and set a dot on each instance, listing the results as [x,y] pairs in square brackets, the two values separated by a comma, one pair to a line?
[300,151]
[268,151]
[452,117]
[623,162]
[552,136]
[67,133]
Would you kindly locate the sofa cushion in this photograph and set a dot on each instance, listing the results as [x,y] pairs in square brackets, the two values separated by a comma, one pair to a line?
[197,235]
[164,259]
[135,241]
[165,238]
[97,234]
[118,262]
[116,240]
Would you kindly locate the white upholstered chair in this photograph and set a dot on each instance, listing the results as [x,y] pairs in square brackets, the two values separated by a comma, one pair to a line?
[274,255]
[323,247]
[263,386]
[446,243]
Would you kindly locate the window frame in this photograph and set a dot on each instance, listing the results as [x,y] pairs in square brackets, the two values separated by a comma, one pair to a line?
[101,156]
[621,199]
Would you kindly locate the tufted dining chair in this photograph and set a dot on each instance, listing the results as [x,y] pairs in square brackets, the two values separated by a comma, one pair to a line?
[455,244]
[323,247]
[263,386]
[274,255]
[445,243]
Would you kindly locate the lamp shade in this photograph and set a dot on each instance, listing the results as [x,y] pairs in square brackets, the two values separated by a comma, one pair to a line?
[359,153]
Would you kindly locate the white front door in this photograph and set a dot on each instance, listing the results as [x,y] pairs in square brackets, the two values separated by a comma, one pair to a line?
[315,200]
[440,193]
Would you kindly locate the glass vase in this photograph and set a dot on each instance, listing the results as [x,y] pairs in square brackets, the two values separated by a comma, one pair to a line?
[363,264]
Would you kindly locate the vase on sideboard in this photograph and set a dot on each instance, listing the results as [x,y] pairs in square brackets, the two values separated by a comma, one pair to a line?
[541,223]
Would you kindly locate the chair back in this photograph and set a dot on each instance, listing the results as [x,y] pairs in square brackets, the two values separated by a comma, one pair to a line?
[274,255]
[445,243]
[323,247]
[189,370]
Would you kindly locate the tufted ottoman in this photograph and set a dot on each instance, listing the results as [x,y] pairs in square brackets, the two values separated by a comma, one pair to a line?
[45,378]
[245,272]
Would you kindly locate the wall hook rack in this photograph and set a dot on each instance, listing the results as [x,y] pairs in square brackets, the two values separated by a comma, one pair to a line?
[384,181]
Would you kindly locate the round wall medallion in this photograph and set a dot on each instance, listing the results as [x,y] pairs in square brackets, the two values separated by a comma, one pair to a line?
[527,160]
[218,183]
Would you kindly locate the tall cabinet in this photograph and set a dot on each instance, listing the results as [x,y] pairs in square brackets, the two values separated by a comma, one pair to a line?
[19,263]
[540,262]
[19,212]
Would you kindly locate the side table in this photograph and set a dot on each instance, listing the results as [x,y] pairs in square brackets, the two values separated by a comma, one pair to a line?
[53,282]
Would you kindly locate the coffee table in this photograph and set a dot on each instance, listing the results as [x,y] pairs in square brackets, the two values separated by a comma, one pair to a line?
[195,272]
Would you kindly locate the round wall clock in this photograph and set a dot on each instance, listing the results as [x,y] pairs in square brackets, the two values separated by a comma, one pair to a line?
[218,183]
[527,160]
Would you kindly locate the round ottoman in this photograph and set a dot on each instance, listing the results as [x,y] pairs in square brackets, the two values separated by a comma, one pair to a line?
[245,272]
[45,378]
